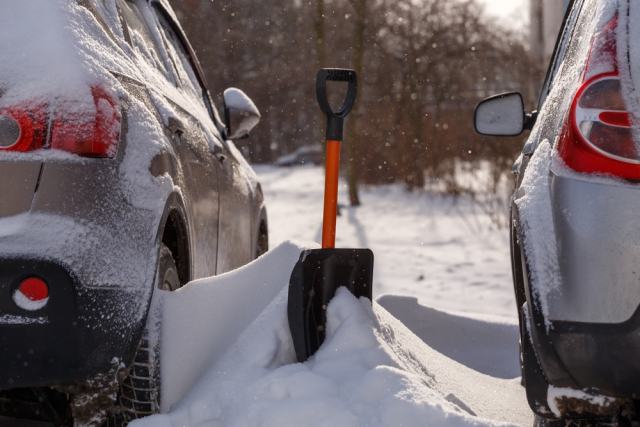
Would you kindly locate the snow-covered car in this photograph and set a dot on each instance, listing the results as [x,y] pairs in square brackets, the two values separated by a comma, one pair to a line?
[305,155]
[575,232]
[117,178]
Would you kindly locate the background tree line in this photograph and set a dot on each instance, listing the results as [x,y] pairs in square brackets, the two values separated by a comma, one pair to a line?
[423,66]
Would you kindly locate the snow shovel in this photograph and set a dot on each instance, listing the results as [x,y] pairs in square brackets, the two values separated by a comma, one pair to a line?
[320,272]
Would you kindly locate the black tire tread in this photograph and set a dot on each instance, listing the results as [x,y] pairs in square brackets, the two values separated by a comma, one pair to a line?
[139,393]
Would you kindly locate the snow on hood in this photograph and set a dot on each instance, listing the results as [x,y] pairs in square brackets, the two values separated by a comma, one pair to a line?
[371,370]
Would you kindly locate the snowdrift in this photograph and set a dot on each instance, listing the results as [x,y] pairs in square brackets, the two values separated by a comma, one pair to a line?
[485,343]
[228,360]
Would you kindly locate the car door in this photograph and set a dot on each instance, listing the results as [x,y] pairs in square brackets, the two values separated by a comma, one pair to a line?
[183,112]
[235,230]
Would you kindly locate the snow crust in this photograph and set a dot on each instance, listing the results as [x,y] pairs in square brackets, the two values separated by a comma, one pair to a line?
[600,59]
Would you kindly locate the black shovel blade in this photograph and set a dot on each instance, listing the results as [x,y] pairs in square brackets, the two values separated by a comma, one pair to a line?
[314,281]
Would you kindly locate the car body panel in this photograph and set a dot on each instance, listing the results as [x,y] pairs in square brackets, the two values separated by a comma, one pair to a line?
[598,237]
[235,214]
[18,181]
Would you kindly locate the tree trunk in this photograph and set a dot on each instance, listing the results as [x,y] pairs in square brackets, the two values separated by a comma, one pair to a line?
[320,33]
[352,152]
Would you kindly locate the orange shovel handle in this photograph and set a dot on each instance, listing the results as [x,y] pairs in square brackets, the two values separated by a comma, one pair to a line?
[331,195]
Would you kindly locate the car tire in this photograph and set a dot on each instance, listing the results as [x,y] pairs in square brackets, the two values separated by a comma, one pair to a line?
[262,245]
[139,393]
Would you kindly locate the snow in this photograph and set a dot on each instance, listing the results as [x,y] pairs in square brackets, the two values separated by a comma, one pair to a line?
[237,99]
[485,343]
[371,370]
[224,306]
[9,319]
[441,250]
[536,219]
[556,394]
[227,354]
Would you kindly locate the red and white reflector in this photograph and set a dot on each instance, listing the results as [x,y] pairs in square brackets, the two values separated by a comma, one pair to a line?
[32,294]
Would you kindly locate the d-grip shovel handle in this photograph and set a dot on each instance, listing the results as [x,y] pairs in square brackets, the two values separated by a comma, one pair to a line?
[335,121]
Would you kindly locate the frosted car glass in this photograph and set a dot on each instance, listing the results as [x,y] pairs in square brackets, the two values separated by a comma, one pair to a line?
[141,35]
[179,57]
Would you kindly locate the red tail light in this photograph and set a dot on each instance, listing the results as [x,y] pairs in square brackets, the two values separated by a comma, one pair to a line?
[86,130]
[597,137]
[22,128]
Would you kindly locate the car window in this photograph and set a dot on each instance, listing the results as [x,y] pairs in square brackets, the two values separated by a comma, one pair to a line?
[180,59]
[141,36]
[560,49]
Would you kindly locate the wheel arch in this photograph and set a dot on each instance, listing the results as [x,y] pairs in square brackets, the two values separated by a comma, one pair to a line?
[173,231]
[261,239]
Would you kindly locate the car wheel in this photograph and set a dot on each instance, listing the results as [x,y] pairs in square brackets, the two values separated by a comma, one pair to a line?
[139,393]
[262,245]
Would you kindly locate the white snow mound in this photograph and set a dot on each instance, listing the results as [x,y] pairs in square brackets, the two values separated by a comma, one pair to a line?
[371,370]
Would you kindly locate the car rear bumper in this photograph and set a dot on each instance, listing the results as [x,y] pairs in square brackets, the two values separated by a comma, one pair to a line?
[75,336]
[605,357]
[598,239]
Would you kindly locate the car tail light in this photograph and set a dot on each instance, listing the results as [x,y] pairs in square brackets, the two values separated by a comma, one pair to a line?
[32,294]
[597,136]
[22,128]
[86,130]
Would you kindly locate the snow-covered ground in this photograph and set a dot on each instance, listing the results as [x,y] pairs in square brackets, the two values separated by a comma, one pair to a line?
[441,350]
[439,249]
[371,370]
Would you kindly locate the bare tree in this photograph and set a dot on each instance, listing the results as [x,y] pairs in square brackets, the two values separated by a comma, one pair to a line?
[422,68]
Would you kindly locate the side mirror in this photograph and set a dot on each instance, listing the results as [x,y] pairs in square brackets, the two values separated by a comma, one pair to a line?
[240,114]
[502,115]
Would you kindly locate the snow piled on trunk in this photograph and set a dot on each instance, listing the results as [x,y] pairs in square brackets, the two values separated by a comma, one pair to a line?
[371,370]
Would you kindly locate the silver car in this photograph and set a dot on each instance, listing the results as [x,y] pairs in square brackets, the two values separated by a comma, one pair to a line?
[575,229]
[117,177]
